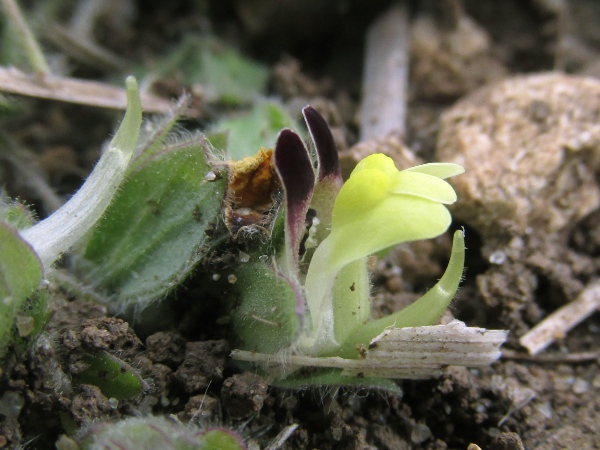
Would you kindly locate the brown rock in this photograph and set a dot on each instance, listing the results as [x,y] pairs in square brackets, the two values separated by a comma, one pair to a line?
[531,149]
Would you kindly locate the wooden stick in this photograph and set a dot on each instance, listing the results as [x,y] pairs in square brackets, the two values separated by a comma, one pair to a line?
[79,91]
[553,358]
[385,75]
[560,322]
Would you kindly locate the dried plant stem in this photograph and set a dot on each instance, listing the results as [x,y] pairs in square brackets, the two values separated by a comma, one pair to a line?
[556,358]
[74,90]
[33,50]
[385,75]
[411,352]
[557,325]
[282,437]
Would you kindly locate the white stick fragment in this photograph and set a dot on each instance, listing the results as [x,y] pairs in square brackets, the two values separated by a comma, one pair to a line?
[283,436]
[55,235]
[560,322]
[385,75]
[415,353]
[74,90]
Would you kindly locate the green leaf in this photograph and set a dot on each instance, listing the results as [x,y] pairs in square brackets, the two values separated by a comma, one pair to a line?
[34,314]
[351,302]
[154,233]
[156,432]
[114,377]
[222,73]
[220,439]
[15,214]
[425,311]
[233,78]
[264,309]
[20,275]
[258,128]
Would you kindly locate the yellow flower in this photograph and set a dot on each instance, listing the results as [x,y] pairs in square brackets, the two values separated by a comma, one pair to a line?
[377,208]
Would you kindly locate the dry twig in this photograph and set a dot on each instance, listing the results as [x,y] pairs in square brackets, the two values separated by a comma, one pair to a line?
[411,353]
[554,358]
[385,75]
[74,90]
[557,325]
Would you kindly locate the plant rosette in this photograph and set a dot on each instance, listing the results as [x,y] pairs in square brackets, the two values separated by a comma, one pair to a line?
[317,310]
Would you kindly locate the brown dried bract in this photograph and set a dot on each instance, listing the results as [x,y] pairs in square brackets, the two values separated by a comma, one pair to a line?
[252,182]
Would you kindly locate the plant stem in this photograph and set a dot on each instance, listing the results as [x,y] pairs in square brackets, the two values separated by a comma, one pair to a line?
[32,48]
[56,234]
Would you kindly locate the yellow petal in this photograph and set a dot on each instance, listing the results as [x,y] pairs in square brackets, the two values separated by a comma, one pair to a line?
[423,185]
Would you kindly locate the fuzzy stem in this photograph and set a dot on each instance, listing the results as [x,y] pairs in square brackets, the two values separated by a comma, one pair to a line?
[56,234]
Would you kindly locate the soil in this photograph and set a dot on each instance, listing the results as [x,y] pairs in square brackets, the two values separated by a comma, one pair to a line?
[532,229]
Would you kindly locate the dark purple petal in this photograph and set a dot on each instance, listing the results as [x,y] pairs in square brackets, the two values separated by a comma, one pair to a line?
[329,163]
[295,170]
[330,176]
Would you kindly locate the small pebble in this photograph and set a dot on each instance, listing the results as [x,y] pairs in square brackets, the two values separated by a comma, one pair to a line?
[420,433]
[580,386]
[498,257]
[596,381]
[336,434]
[25,325]
[545,409]
[394,284]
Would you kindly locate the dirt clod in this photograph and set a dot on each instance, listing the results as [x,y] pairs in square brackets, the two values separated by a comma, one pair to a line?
[451,61]
[160,378]
[202,365]
[507,441]
[89,404]
[202,408]
[109,333]
[243,395]
[166,347]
